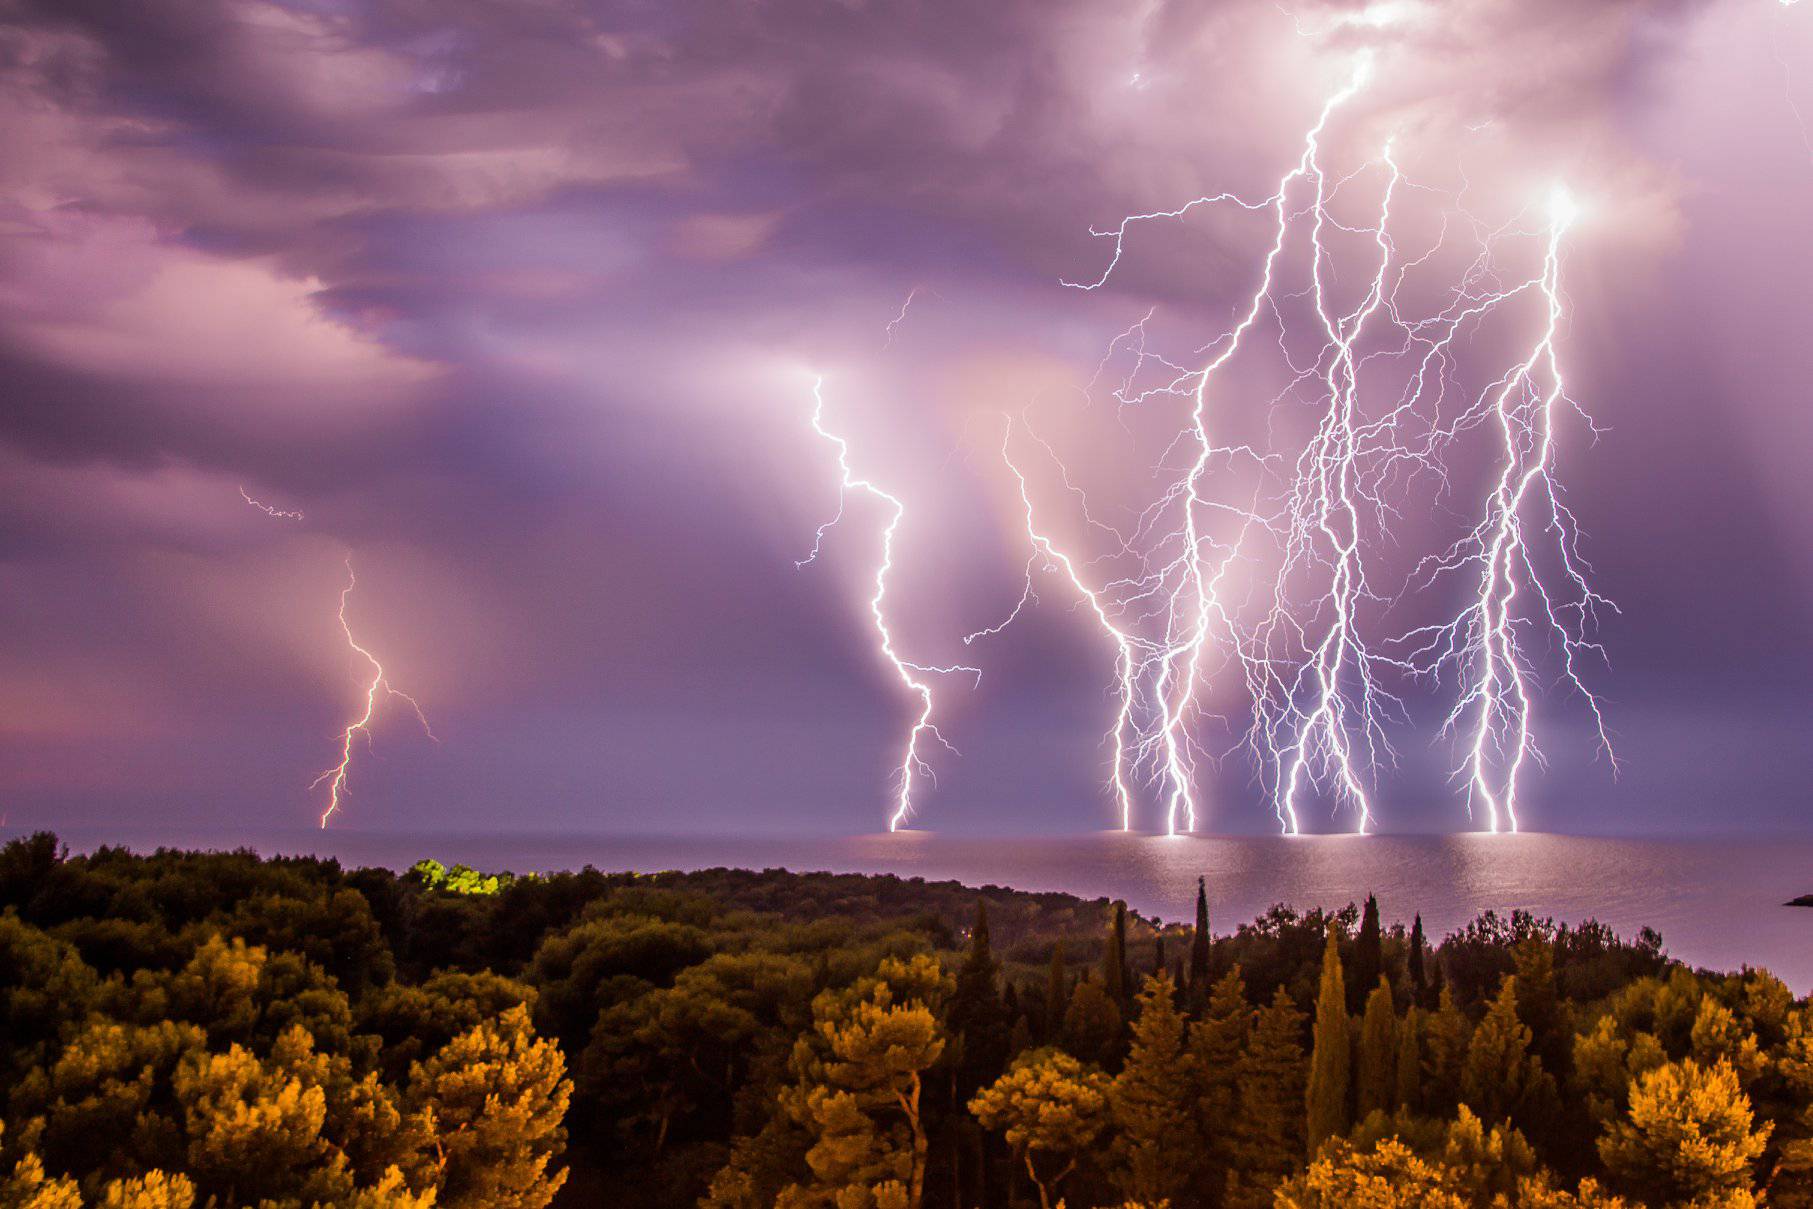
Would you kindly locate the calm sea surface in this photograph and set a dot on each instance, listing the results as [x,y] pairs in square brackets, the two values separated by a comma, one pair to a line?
[1717,902]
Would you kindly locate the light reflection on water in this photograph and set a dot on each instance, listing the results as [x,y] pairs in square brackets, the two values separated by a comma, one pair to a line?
[1717,902]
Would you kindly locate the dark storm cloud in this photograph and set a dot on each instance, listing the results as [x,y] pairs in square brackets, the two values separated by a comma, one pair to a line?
[514,299]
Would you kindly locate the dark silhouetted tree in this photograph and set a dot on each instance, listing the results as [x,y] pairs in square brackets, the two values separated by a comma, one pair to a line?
[1199,939]
[1368,958]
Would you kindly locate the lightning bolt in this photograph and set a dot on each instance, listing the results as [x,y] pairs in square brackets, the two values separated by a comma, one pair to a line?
[275,513]
[905,306]
[377,687]
[1317,681]
[912,762]
[1513,594]
[1130,652]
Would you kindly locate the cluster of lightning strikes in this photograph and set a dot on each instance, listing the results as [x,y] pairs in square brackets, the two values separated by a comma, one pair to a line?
[377,687]
[913,765]
[1308,632]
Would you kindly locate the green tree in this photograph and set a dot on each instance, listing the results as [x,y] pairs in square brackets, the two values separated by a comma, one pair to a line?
[684,1051]
[1052,1109]
[976,1019]
[1688,1139]
[1057,995]
[1330,1069]
[497,1094]
[1502,1079]
[1446,1034]
[1409,1067]
[1152,1102]
[1114,959]
[1268,1129]
[1092,1024]
[1419,978]
[1217,1043]
[1375,1083]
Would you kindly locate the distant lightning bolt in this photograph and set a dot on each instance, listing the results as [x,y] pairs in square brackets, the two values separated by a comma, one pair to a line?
[1127,646]
[900,318]
[276,513]
[335,777]
[912,762]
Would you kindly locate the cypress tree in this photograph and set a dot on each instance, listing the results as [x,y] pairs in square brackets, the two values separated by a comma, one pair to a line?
[1199,940]
[1376,1085]
[1368,957]
[1419,983]
[1057,995]
[1158,956]
[1410,1061]
[1114,962]
[1331,1061]
[978,1021]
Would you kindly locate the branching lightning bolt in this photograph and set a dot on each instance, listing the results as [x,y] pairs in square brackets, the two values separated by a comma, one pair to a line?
[378,686]
[1513,595]
[912,761]
[1317,680]
[1130,652]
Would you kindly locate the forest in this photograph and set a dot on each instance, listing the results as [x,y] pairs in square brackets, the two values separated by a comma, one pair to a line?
[215,1029]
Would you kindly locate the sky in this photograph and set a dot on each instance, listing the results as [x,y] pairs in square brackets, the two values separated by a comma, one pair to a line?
[522,305]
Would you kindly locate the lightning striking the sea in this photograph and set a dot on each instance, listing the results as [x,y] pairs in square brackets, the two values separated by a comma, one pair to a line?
[376,688]
[912,761]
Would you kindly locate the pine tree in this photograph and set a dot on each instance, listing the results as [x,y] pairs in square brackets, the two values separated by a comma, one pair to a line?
[1409,1092]
[1368,957]
[498,1095]
[1419,982]
[1199,939]
[1052,1108]
[860,1075]
[1267,1132]
[1151,1102]
[1376,1081]
[1330,1063]
[1688,1137]
[1114,961]
[1057,995]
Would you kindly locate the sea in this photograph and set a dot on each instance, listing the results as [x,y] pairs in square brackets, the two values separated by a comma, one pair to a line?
[1718,902]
